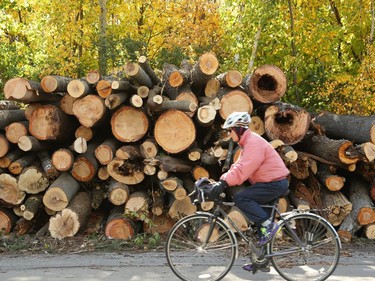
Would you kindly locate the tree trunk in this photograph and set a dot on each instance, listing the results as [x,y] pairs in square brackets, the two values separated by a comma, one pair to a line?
[60,192]
[332,181]
[138,202]
[359,129]
[174,131]
[86,166]
[55,83]
[115,100]
[30,143]
[27,91]
[7,117]
[47,166]
[71,219]
[181,208]
[5,146]
[7,221]
[286,122]
[9,105]
[10,157]
[136,73]
[31,206]
[17,166]
[144,63]
[337,204]
[66,104]
[106,151]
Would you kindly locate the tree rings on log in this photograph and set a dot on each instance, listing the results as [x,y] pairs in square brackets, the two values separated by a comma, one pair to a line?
[90,110]
[174,131]
[129,124]
[235,100]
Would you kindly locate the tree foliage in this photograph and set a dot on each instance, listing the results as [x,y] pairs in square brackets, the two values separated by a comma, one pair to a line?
[324,47]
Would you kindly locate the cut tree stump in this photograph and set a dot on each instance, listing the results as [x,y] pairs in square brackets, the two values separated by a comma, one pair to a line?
[71,219]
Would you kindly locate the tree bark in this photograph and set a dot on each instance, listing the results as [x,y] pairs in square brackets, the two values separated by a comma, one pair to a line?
[60,192]
[361,201]
[55,83]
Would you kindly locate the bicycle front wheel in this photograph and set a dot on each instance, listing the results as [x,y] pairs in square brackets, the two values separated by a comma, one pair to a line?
[306,248]
[198,247]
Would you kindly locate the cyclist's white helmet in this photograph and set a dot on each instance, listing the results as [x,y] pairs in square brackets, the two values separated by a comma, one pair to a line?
[237,119]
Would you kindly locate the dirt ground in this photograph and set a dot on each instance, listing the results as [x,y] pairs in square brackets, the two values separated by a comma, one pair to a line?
[85,244]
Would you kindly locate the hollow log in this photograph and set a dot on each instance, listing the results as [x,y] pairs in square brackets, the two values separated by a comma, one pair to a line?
[71,219]
[174,131]
[60,192]
[286,122]
[125,171]
[129,124]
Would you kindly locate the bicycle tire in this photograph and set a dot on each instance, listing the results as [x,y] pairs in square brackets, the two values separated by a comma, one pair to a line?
[189,257]
[319,254]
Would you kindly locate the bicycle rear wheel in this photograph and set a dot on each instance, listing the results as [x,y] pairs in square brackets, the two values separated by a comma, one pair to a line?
[307,248]
[193,254]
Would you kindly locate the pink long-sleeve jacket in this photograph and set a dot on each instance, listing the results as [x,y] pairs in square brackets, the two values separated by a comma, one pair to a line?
[258,162]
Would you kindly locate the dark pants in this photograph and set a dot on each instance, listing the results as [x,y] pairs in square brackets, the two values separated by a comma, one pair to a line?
[249,199]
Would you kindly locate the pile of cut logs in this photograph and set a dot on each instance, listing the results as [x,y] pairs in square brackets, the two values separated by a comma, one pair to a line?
[120,153]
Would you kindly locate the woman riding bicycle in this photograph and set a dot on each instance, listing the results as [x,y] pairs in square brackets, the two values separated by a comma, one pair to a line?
[260,169]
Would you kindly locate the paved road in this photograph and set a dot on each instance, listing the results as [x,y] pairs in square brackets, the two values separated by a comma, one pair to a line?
[150,266]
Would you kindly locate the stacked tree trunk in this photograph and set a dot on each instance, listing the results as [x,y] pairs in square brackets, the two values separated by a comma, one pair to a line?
[131,144]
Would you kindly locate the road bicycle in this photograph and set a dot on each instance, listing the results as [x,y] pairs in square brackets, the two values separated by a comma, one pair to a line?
[204,245]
